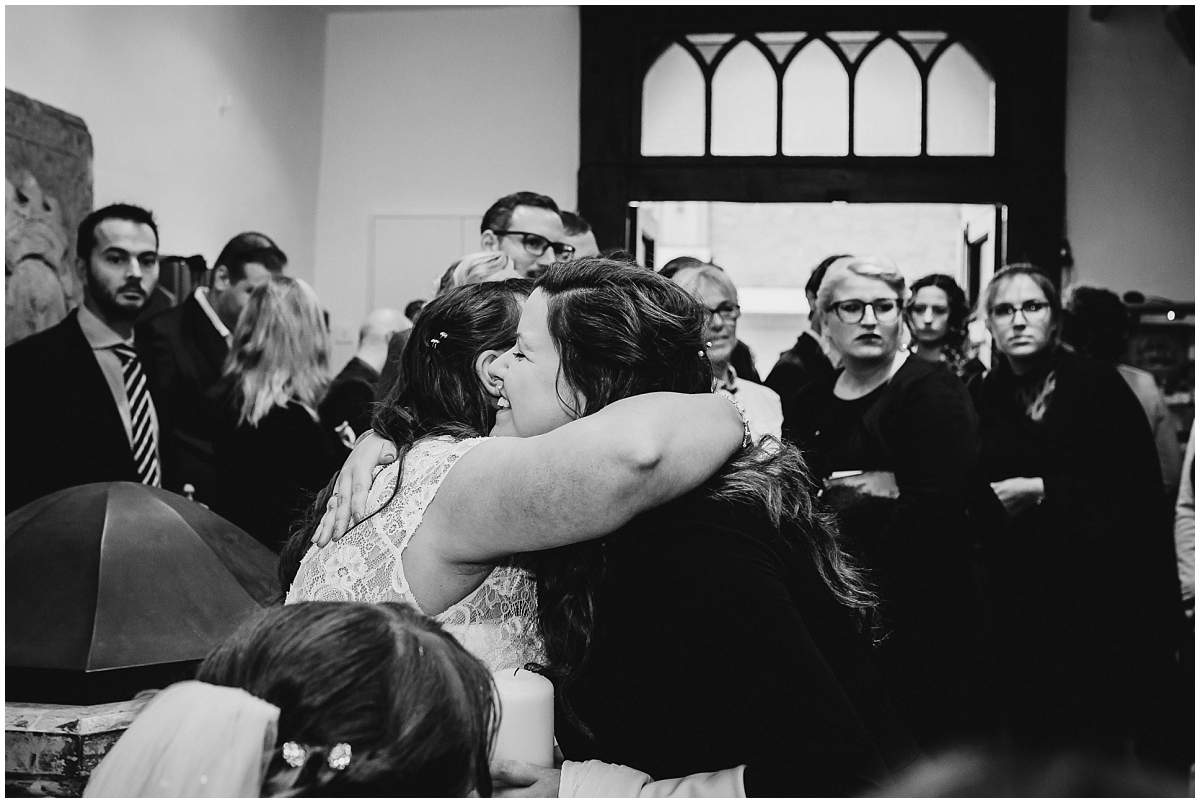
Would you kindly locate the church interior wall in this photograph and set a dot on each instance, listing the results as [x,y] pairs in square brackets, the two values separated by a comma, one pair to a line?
[209,116]
[1130,154]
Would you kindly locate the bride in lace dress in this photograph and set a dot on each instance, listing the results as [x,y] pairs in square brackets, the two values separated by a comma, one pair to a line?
[454,507]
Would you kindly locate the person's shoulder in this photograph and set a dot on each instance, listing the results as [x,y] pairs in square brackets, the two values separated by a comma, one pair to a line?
[165,320]
[758,390]
[40,346]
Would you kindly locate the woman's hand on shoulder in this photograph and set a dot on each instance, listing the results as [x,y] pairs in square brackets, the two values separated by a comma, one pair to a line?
[348,504]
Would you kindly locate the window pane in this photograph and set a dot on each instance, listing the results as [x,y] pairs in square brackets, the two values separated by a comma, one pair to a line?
[673,106]
[961,106]
[887,104]
[923,41]
[709,43]
[743,104]
[816,104]
[853,42]
[780,43]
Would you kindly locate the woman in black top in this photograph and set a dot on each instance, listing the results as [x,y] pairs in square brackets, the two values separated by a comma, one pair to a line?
[899,438]
[720,629]
[1086,594]
[274,452]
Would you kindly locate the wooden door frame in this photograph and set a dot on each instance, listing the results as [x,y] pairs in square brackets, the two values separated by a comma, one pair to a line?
[1023,47]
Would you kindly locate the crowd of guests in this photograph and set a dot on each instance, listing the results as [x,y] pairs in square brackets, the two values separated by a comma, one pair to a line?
[797,586]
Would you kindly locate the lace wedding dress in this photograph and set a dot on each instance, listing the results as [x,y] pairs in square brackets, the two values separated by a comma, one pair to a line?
[497,622]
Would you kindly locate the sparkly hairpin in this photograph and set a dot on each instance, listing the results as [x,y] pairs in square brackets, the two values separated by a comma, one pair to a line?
[436,341]
[295,754]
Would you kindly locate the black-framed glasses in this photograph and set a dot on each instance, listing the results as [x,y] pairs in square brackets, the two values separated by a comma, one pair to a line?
[727,311]
[536,244]
[852,310]
[1030,310]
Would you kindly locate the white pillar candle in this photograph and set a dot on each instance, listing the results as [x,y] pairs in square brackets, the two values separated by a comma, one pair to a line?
[526,717]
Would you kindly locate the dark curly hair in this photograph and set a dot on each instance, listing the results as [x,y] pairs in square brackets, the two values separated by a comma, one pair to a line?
[959,314]
[621,331]
[418,711]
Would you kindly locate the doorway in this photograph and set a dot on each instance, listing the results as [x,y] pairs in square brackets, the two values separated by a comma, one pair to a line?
[769,250]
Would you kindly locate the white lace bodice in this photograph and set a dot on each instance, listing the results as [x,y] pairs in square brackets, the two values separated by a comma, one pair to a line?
[497,622]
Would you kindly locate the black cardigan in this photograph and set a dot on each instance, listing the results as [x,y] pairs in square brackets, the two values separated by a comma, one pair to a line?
[717,643]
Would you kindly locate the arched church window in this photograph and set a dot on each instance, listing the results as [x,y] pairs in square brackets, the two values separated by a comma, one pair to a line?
[962,106]
[816,103]
[673,106]
[818,94]
[887,103]
[744,106]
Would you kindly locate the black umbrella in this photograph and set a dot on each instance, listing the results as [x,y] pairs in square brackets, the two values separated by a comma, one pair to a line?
[112,587]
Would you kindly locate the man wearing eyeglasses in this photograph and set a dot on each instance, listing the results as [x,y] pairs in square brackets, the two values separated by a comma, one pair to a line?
[527,227]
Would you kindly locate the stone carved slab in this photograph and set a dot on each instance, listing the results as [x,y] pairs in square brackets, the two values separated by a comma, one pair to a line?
[47,192]
[50,750]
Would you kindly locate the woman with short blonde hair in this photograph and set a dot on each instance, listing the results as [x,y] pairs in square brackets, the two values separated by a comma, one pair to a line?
[895,441]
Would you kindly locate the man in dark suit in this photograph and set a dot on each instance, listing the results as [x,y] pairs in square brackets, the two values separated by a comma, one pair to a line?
[806,361]
[78,406]
[186,348]
[351,395]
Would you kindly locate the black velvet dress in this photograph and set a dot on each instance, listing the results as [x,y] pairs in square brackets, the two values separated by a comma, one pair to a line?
[920,546]
[716,643]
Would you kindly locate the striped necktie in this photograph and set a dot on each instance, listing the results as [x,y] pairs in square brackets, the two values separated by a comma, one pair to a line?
[145,439]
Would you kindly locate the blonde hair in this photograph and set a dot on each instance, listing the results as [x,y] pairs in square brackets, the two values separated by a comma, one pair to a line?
[880,268]
[478,266]
[280,350]
[690,278]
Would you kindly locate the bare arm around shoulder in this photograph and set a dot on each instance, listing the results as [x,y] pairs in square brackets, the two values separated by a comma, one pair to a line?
[584,479]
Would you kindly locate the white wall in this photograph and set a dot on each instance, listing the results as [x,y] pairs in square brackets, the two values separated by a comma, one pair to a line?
[437,111]
[1130,154]
[209,116]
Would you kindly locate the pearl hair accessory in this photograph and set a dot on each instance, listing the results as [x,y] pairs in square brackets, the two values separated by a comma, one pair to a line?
[295,754]
[436,341]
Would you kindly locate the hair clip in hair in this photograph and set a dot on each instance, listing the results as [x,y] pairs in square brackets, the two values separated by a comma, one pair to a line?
[702,353]
[295,754]
[436,341]
[339,757]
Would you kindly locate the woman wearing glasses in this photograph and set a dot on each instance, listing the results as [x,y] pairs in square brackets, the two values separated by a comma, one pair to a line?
[896,439]
[1080,575]
[712,287]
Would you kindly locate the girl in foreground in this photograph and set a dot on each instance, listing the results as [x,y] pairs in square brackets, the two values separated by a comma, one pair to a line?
[319,699]
[637,627]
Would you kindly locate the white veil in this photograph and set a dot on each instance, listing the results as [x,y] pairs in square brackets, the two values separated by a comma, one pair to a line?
[192,740]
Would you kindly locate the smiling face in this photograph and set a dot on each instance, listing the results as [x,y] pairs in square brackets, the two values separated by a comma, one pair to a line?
[870,340]
[719,332]
[531,387]
[1022,335]
[929,315]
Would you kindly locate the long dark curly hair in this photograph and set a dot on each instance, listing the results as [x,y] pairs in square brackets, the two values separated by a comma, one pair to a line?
[620,331]
[441,393]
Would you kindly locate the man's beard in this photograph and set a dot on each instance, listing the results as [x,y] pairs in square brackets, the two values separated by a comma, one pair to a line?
[112,308]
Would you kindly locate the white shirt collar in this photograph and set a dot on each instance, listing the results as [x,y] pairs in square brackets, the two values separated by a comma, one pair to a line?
[202,299]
